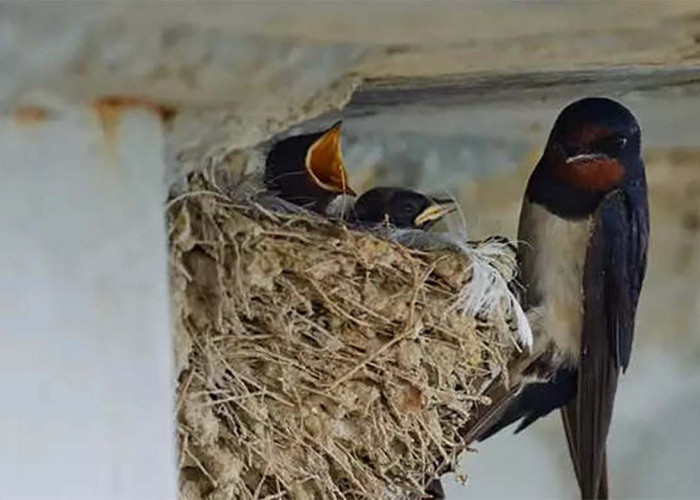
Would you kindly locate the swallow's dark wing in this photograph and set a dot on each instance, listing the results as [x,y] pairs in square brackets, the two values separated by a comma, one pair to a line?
[527,227]
[613,276]
[629,259]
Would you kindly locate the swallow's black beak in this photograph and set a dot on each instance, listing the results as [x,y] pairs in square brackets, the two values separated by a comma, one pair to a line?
[434,212]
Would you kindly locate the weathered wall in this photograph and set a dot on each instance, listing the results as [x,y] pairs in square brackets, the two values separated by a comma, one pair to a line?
[237,72]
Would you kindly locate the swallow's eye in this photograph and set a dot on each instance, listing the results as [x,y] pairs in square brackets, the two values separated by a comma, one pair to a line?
[612,145]
[407,209]
[620,142]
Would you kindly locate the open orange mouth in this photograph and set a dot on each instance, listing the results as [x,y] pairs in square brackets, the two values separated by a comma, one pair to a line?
[324,163]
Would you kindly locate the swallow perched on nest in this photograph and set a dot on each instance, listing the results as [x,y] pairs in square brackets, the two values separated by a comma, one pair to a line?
[401,208]
[308,169]
[583,233]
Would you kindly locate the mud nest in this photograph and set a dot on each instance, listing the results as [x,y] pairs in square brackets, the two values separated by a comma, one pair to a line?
[316,361]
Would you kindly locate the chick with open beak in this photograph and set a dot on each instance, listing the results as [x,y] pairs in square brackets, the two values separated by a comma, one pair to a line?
[308,169]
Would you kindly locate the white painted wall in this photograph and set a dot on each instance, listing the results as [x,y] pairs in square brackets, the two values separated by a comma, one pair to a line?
[85,352]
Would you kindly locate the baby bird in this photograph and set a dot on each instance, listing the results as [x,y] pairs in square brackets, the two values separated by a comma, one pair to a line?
[401,208]
[308,169]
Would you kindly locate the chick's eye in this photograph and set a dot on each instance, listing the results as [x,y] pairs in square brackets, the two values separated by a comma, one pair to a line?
[407,209]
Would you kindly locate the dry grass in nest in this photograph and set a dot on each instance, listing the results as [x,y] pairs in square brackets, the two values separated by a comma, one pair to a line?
[317,361]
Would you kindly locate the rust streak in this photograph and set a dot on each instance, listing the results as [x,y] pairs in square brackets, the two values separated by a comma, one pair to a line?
[109,109]
[30,116]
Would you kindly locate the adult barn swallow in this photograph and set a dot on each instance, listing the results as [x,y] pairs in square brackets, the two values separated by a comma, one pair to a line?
[308,169]
[583,233]
[402,208]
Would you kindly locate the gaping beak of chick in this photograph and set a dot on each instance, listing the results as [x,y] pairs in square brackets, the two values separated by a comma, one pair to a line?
[436,211]
[324,162]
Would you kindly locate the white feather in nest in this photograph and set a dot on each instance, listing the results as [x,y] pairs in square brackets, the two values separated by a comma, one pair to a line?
[493,267]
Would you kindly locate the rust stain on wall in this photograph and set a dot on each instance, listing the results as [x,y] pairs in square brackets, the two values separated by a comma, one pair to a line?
[110,108]
[29,116]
